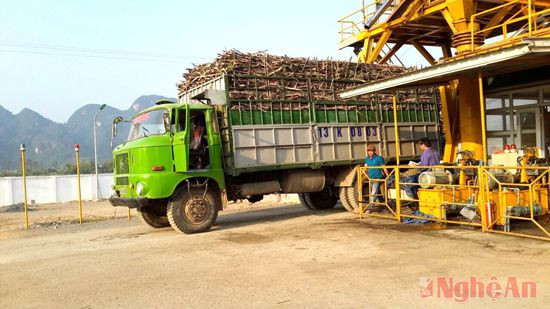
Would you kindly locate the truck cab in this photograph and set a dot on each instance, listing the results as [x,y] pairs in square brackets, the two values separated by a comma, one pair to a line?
[170,167]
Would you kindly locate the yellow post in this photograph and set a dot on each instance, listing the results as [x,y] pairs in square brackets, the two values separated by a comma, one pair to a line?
[482,198]
[396,129]
[397,157]
[22,149]
[483,117]
[530,6]
[77,150]
[360,191]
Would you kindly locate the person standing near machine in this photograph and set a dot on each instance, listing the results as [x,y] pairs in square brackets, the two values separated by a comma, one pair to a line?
[429,157]
[373,159]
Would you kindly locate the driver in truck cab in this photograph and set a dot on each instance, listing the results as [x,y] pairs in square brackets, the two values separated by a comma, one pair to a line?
[198,145]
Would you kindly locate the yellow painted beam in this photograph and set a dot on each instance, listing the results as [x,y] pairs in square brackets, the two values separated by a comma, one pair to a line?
[470,125]
[446,50]
[380,28]
[368,49]
[424,53]
[538,3]
[412,9]
[381,42]
[449,19]
[496,19]
[449,118]
[392,52]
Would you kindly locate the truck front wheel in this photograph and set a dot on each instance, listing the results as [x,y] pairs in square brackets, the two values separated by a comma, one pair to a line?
[154,215]
[193,210]
[322,200]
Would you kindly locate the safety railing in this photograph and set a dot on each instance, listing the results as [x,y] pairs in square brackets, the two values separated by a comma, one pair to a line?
[354,22]
[523,202]
[526,21]
[486,197]
[369,198]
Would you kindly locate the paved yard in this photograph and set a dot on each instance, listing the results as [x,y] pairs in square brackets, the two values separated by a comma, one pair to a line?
[269,256]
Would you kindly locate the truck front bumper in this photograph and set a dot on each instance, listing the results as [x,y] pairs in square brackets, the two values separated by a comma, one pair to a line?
[138,202]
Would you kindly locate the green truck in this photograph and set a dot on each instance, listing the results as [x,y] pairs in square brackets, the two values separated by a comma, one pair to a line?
[184,161]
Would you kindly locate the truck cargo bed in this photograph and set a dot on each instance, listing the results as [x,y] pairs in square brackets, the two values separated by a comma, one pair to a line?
[264,129]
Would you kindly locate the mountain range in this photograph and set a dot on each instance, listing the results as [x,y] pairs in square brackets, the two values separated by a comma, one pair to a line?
[50,144]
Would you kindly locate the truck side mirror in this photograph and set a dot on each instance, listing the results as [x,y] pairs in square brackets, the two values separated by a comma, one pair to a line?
[116,121]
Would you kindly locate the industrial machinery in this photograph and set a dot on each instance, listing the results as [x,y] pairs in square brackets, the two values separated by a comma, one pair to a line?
[492,69]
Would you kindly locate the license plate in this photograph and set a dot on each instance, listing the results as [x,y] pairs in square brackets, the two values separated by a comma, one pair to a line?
[122,191]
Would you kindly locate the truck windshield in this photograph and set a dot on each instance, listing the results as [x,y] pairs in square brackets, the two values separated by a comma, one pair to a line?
[151,123]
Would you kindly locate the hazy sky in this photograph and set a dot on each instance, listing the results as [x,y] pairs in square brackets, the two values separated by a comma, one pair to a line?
[56,56]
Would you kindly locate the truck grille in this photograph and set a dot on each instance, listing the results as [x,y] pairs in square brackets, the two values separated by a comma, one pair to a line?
[121,181]
[121,164]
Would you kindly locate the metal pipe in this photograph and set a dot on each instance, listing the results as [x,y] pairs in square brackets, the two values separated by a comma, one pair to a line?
[483,117]
[385,5]
[517,195]
[521,235]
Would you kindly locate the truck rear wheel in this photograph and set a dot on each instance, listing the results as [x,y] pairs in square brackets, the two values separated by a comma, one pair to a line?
[348,197]
[193,210]
[303,201]
[154,215]
[322,200]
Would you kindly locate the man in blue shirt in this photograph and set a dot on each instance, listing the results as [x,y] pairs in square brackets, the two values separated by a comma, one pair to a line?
[429,157]
[373,159]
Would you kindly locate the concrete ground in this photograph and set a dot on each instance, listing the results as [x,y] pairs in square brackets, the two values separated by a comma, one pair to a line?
[266,256]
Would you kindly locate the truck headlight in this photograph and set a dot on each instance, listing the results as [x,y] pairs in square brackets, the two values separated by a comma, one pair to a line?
[139,188]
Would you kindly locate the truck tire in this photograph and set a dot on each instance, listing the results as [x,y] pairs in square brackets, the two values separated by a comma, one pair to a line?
[348,197]
[322,200]
[154,215]
[303,201]
[193,210]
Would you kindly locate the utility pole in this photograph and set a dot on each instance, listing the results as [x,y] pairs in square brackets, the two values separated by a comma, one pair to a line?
[95,152]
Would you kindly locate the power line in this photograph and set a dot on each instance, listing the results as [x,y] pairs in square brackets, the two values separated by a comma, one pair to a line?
[90,56]
[95,53]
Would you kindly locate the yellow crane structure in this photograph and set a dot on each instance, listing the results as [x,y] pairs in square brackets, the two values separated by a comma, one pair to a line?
[494,81]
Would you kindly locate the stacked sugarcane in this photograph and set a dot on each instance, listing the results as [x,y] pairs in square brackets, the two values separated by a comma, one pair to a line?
[259,77]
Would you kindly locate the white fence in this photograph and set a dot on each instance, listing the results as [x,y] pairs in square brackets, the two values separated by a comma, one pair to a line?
[54,189]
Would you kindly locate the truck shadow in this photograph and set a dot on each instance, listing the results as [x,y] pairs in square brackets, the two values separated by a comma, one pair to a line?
[274,214]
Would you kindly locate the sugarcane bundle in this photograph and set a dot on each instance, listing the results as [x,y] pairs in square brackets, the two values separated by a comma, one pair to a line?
[257,77]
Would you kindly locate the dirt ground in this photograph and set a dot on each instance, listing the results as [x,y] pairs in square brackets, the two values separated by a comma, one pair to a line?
[256,256]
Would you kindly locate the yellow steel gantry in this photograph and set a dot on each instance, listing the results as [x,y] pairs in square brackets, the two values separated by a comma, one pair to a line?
[470,27]
[463,30]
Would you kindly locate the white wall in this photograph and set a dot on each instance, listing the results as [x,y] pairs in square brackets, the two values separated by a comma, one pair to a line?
[54,189]
[59,189]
